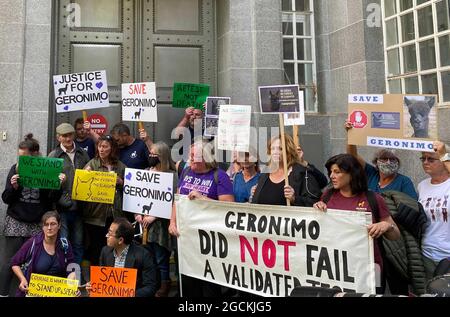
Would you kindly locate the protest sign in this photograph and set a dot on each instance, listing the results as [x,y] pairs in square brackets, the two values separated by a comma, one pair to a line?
[279,99]
[234,128]
[40,172]
[51,286]
[139,102]
[296,118]
[407,122]
[81,91]
[148,193]
[99,187]
[269,250]
[189,95]
[112,282]
[212,114]
[98,123]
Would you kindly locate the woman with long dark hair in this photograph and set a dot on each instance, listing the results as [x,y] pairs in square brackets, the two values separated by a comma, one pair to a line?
[99,216]
[350,192]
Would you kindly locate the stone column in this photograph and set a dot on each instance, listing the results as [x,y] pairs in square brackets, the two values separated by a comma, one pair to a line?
[25,28]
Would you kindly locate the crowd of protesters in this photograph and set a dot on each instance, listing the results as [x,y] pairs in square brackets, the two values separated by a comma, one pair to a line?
[64,231]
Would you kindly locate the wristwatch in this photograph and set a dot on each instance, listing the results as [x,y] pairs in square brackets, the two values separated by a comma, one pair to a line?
[445,157]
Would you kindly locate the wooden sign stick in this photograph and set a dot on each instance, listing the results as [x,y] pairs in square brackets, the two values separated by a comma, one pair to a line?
[283,145]
[85,117]
[144,235]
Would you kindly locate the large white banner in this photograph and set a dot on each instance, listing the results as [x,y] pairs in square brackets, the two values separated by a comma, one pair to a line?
[234,128]
[268,250]
[148,193]
[81,91]
[139,102]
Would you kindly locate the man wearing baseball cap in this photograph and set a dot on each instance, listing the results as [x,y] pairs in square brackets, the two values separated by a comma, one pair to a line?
[74,158]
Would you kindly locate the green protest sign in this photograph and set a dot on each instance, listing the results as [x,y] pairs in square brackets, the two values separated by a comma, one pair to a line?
[189,95]
[40,172]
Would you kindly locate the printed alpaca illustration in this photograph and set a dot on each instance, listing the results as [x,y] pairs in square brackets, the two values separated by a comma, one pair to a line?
[137,114]
[63,90]
[419,111]
[84,186]
[433,216]
[146,208]
[275,102]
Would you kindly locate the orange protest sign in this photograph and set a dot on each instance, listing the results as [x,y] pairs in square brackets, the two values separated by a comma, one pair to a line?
[112,282]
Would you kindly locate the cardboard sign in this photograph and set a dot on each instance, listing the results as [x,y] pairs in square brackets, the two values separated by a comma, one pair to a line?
[51,286]
[148,193]
[279,99]
[189,95]
[81,91]
[267,250]
[40,172]
[407,122]
[98,123]
[298,118]
[98,187]
[139,102]
[234,128]
[112,282]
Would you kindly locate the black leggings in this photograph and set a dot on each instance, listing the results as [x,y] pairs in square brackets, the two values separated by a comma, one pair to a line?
[12,245]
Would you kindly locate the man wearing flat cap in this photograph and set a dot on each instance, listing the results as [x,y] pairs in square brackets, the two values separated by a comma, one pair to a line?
[74,158]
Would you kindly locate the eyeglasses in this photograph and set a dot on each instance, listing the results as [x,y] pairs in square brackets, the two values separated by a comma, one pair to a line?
[384,160]
[429,159]
[110,234]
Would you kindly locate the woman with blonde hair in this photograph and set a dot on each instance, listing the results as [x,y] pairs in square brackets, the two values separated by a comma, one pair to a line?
[202,169]
[303,188]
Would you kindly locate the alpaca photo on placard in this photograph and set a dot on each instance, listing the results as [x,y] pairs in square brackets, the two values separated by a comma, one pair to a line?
[279,99]
[419,117]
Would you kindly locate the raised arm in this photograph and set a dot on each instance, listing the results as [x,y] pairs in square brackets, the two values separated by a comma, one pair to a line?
[440,149]
[351,148]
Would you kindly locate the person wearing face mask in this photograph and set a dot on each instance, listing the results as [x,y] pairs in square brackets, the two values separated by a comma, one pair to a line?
[246,178]
[158,240]
[383,175]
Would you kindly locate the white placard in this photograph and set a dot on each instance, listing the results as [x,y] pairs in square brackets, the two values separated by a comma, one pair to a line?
[296,118]
[81,91]
[148,193]
[267,250]
[139,102]
[234,128]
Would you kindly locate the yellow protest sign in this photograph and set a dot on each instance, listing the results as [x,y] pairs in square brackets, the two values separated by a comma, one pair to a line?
[51,286]
[98,187]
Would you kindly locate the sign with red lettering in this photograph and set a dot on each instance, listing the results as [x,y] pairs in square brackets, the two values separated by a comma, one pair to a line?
[139,102]
[269,250]
[99,124]
[112,282]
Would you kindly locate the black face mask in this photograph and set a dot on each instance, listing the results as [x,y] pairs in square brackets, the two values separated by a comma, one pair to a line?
[153,161]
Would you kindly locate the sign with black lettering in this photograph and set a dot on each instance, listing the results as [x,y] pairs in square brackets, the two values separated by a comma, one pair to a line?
[148,193]
[407,122]
[189,95]
[269,250]
[139,102]
[81,91]
[40,172]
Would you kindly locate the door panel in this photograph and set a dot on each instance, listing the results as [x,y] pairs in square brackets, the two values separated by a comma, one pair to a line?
[165,41]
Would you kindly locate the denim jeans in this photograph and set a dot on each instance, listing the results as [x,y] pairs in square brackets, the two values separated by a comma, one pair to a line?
[162,257]
[72,229]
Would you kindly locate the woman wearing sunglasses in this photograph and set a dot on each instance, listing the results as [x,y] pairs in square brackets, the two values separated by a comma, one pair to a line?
[434,195]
